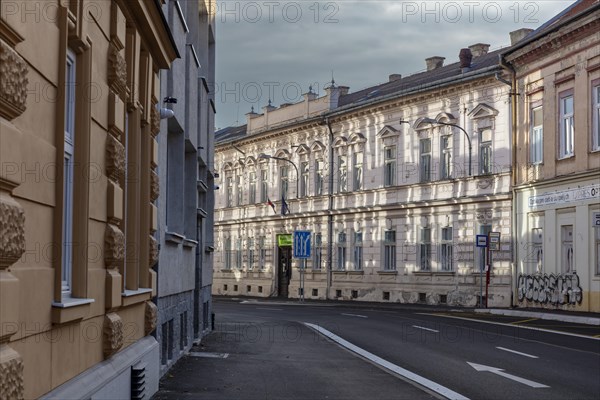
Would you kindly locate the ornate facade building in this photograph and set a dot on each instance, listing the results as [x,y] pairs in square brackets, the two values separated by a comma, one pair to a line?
[557,158]
[394,182]
[79,118]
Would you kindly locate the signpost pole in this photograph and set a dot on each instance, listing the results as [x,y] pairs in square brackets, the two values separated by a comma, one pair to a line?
[481,249]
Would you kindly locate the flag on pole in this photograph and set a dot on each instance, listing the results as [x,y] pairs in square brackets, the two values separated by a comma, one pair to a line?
[269,202]
[284,206]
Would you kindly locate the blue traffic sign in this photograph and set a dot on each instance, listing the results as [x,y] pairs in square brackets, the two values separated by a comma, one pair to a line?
[481,241]
[301,244]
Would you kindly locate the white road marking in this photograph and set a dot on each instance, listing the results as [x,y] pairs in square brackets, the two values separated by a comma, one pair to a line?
[517,352]
[444,391]
[498,371]
[208,355]
[269,308]
[355,315]
[425,329]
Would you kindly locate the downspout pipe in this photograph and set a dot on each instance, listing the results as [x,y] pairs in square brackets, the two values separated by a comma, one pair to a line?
[329,212]
[514,124]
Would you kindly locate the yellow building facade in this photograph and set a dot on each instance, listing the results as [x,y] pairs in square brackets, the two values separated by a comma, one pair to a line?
[78,154]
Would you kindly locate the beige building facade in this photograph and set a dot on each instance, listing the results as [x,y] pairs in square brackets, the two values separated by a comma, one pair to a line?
[557,154]
[381,179]
[79,119]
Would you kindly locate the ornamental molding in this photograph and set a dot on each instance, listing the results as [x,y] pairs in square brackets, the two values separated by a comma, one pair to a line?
[117,71]
[154,120]
[11,373]
[12,231]
[113,334]
[153,250]
[114,246]
[150,318]
[115,158]
[14,82]
[154,186]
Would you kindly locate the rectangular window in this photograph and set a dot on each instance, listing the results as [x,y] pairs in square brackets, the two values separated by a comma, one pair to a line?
[317,251]
[250,252]
[537,251]
[597,248]
[342,174]
[567,128]
[239,192]
[425,151]
[229,191]
[389,171]
[357,161]
[68,177]
[262,253]
[341,251]
[596,117]
[264,184]
[389,250]
[238,253]
[358,251]
[425,250]
[567,254]
[447,250]
[304,172]
[227,251]
[446,156]
[536,140]
[283,181]
[485,152]
[252,188]
[318,177]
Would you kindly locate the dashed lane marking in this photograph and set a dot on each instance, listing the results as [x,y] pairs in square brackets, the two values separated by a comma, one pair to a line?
[355,315]
[517,352]
[425,329]
[523,321]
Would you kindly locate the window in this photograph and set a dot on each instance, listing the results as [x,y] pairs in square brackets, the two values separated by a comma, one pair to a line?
[239,192]
[250,250]
[342,174]
[536,140]
[446,249]
[358,251]
[567,129]
[304,179]
[283,181]
[389,171]
[341,251]
[262,253]
[597,248]
[537,251]
[68,177]
[317,253]
[357,167]
[425,250]
[389,250]
[318,177]
[227,252]
[446,156]
[567,254]
[229,191]
[483,254]
[485,152]
[264,184]
[596,117]
[238,253]
[252,187]
[425,149]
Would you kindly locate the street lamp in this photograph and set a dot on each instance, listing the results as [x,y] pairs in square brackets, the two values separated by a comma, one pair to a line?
[264,156]
[434,121]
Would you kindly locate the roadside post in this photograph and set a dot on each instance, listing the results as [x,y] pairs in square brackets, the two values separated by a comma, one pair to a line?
[301,248]
[493,245]
[481,241]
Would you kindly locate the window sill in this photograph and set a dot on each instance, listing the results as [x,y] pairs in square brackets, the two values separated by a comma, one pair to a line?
[437,273]
[136,296]
[566,157]
[172,237]
[387,272]
[189,243]
[201,212]
[70,310]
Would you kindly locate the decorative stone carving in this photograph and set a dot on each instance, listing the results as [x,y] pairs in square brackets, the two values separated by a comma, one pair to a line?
[115,158]
[154,186]
[154,119]
[113,334]
[13,85]
[114,246]
[151,317]
[117,70]
[12,230]
[153,259]
[11,373]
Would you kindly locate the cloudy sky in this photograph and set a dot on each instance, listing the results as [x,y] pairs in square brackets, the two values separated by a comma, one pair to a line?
[276,49]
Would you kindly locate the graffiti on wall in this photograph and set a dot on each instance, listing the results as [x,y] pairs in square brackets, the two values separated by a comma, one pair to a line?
[554,289]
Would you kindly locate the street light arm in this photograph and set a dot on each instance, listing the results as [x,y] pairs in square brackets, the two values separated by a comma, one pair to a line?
[433,121]
[267,156]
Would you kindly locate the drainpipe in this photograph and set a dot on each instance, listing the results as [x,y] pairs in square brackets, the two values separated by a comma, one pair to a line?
[513,117]
[329,212]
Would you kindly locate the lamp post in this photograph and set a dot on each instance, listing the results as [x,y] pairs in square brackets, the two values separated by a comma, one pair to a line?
[433,121]
[268,156]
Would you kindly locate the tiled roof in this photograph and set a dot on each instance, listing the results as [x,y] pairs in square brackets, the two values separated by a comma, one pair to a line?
[230,133]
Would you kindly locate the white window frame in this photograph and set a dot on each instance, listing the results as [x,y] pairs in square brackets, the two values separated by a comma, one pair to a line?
[537,249]
[262,253]
[357,170]
[447,249]
[250,252]
[252,187]
[389,250]
[567,249]
[238,253]
[389,166]
[446,154]
[239,191]
[341,251]
[227,253]
[68,177]
[229,191]
[536,136]
[319,176]
[596,116]
[425,158]
[264,184]
[486,156]
[342,160]
[358,251]
[284,183]
[425,254]
[318,251]
[304,182]
[566,146]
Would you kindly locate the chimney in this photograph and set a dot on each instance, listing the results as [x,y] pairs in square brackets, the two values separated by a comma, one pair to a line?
[395,77]
[479,49]
[518,35]
[269,107]
[434,62]
[465,56]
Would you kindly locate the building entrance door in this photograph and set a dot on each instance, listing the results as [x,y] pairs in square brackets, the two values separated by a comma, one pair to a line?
[284,269]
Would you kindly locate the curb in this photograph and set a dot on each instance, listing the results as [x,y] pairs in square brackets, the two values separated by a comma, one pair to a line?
[541,315]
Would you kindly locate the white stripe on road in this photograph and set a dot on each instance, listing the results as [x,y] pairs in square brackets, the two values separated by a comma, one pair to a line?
[425,329]
[355,315]
[444,391]
[516,352]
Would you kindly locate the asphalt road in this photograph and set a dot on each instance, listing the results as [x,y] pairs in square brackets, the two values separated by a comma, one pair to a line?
[273,354]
